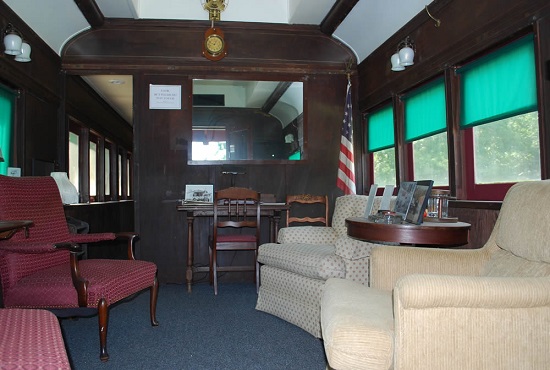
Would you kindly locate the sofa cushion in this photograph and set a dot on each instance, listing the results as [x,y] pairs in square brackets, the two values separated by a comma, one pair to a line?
[504,263]
[310,260]
[358,325]
[307,235]
[519,228]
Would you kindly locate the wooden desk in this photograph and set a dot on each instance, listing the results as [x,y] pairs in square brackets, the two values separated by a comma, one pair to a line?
[428,233]
[8,228]
[271,210]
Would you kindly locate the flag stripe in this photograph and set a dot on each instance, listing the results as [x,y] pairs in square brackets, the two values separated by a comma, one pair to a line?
[346,167]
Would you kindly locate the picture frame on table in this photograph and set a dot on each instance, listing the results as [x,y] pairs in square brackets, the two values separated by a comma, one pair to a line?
[419,202]
[404,198]
[199,193]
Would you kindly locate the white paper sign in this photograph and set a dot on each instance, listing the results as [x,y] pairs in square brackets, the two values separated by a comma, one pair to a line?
[370,201]
[164,96]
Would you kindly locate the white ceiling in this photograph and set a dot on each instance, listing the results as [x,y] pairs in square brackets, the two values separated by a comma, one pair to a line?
[367,26]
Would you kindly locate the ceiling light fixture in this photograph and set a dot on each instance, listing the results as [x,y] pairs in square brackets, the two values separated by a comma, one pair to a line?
[15,45]
[404,56]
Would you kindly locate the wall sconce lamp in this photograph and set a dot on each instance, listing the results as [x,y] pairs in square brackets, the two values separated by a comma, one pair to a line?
[15,45]
[404,56]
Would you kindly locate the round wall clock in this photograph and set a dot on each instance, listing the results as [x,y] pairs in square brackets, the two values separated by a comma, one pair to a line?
[214,46]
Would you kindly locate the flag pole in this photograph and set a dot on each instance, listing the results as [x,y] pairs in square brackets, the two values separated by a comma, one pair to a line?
[346,168]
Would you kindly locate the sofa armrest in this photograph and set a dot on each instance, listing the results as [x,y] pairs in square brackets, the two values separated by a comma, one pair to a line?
[389,263]
[307,235]
[440,315]
[353,249]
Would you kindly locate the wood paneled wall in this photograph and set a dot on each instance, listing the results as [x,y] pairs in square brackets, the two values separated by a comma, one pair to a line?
[169,53]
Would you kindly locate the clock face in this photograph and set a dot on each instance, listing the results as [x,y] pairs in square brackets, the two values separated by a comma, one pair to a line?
[214,44]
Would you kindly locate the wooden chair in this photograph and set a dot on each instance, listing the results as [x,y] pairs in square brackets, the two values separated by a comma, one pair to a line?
[43,269]
[294,202]
[235,208]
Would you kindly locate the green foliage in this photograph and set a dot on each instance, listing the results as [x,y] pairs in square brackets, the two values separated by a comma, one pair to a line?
[507,150]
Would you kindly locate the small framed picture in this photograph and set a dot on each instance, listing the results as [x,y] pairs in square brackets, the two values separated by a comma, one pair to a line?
[419,201]
[199,193]
[404,197]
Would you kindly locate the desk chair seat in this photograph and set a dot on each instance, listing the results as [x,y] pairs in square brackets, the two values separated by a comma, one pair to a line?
[237,209]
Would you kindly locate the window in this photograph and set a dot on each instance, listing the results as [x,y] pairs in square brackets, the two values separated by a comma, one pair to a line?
[381,142]
[7,102]
[74,149]
[93,158]
[425,132]
[97,166]
[499,117]
[107,171]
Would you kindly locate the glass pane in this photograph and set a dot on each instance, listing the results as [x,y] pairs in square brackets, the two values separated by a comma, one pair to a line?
[210,151]
[384,167]
[507,150]
[430,159]
[119,172]
[73,159]
[128,177]
[93,169]
[107,171]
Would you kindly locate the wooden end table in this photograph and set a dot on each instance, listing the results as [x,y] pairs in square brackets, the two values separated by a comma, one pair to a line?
[427,233]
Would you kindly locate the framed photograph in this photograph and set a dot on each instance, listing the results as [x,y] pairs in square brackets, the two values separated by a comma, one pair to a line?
[199,193]
[404,198]
[419,201]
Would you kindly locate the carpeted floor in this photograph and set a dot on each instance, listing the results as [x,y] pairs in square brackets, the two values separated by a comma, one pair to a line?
[196,331]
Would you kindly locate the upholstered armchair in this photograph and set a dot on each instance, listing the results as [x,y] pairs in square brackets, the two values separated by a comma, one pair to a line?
[430,308]
[42,268]
[293,271]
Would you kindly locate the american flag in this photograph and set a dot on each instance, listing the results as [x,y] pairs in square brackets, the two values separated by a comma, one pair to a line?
[346,168]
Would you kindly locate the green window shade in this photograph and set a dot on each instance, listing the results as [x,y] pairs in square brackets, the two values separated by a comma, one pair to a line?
[425,111]
[380,130]
[6,118]
[500,85]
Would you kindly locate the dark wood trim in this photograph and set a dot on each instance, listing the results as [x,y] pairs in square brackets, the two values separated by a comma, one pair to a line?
[475,204]
[91,12]
[336,15]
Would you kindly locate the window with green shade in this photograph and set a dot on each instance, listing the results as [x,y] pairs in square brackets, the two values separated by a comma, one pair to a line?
[500,120]
[499,85]
[380,129]
[425,129]
[425,111]
[7,102]
[381,145]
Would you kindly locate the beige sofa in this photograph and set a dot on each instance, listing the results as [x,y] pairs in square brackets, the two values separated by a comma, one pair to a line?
[451,309]
[293,271]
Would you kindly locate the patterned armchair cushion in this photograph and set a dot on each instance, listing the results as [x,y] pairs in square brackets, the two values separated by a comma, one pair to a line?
[310,260]
[307,235]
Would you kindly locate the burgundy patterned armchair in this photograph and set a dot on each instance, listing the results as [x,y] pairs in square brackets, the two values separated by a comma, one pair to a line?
[42,269]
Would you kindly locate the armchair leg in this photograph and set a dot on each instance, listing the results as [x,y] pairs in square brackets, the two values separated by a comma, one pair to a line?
[103,317]
[153,302]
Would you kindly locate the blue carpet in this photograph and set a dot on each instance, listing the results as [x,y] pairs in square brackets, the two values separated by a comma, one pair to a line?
[196,331]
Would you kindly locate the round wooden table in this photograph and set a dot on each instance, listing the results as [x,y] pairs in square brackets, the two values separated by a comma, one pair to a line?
[427,233]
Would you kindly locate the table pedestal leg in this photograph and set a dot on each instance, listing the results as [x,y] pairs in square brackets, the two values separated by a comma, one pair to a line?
[190,248]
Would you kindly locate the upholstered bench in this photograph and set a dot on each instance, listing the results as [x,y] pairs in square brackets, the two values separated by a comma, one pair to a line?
[31,339]
[293,271]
